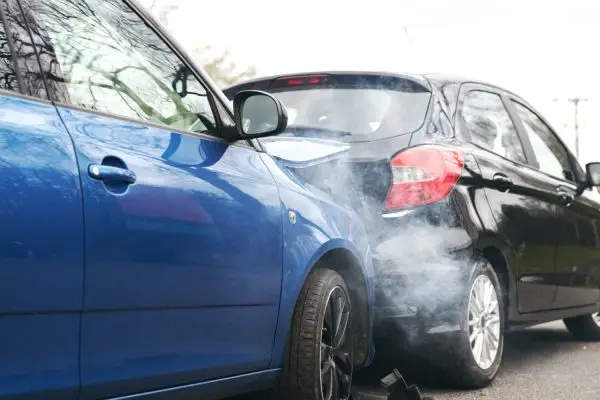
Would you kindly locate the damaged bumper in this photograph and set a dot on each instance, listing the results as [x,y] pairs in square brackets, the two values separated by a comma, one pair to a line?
[409,300]
[420,290]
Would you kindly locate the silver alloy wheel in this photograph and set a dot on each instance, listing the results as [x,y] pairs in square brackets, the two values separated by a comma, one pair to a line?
[596,318]
[484,322]
[335,356]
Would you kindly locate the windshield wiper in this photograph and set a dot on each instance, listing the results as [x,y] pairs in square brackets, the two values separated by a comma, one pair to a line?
[310,131]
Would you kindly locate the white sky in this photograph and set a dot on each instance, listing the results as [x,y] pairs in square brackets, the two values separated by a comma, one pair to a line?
[539,49]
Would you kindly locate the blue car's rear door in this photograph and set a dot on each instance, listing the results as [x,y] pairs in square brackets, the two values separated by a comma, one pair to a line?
[41,231]
[183,231]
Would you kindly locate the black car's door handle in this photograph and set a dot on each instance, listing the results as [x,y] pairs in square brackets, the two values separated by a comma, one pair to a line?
[502,181]
[566,196]
[109,173]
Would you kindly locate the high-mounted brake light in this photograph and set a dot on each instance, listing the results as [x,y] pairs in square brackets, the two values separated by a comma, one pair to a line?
[423,175]
[308,80]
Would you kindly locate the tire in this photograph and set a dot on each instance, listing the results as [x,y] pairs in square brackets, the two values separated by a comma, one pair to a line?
[585,327]
[311,350]
[462,368]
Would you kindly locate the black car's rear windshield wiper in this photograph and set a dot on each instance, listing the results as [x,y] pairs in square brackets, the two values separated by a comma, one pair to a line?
[310,131]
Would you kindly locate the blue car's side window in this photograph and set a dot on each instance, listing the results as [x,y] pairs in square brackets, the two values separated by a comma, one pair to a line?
[110,62]
[8,75]
[27,45]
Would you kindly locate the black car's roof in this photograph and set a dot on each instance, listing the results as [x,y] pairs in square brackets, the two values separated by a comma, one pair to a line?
[440,79]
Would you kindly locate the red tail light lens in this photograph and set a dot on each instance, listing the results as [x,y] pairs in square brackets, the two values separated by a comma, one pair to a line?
[423,175]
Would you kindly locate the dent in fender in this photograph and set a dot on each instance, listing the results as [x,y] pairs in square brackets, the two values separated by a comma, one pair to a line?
[321,226]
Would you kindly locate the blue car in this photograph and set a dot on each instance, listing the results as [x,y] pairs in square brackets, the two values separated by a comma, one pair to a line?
[150,246]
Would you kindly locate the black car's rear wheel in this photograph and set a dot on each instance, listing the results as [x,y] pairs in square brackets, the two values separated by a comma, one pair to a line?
[476,351]
[585,327]
[319,363]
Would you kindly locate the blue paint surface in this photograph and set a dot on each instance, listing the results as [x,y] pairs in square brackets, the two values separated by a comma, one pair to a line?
[188,275]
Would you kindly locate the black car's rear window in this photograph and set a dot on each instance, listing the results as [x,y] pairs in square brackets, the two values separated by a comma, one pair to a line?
[362,114]
[351,108]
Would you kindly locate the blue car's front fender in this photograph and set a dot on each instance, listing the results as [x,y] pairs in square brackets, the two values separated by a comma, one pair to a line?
[315,227]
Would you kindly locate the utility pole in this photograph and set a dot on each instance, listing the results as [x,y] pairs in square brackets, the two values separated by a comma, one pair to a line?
[576,101]
[407,36]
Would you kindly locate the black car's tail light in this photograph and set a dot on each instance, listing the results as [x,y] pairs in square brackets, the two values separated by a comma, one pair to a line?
[423,175]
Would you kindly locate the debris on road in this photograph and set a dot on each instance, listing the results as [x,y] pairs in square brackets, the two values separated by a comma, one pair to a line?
[396,388]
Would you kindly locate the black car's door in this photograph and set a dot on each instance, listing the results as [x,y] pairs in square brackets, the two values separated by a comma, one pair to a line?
[523,200]
[578,252]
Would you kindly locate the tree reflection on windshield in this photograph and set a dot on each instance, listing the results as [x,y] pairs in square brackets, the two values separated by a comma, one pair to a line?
[109,60]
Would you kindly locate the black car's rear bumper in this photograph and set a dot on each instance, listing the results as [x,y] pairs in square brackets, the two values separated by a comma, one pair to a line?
[421,285]
[417,300]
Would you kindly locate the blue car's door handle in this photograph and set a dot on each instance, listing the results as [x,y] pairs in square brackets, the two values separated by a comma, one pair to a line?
[109,173]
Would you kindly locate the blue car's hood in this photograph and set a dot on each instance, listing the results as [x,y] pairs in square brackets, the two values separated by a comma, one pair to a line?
[297,152]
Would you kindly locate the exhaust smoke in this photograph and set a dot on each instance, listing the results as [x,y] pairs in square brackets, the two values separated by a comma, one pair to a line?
[419,257]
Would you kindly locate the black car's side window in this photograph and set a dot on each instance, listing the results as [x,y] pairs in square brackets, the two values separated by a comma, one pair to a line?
[551,155]
[489,125]
[111,61]
[8,76]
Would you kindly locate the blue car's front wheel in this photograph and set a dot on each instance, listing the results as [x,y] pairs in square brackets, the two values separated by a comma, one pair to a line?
[319,363]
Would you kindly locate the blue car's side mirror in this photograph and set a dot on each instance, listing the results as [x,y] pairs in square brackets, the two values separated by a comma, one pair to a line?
[258,114]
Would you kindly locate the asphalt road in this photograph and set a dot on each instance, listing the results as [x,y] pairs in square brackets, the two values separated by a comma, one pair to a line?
[543,362]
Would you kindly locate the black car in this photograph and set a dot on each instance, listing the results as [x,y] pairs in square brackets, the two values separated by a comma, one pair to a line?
[481,219]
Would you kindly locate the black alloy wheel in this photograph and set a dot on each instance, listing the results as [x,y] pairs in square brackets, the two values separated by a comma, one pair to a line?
[336,351]
[319,360]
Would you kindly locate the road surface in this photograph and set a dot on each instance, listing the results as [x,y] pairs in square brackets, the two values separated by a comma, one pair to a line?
[543,362]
